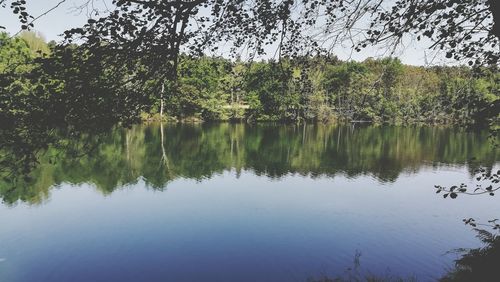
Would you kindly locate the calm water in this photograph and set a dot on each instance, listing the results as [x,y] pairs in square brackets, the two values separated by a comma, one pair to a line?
[226,202]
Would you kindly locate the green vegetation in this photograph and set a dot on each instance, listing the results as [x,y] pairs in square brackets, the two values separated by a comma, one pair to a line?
[68,90]
[59,102]
[158,154]
[382,90]
[49,91]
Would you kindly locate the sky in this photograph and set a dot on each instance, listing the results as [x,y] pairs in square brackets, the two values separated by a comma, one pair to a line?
[67,15]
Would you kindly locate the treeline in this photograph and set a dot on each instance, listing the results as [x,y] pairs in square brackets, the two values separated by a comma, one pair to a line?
[67,87]
[60,86]
[158,154]
[46,88]
[325,89]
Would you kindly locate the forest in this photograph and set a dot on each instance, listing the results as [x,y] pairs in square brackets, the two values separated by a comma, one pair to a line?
[272,150]
[38,84]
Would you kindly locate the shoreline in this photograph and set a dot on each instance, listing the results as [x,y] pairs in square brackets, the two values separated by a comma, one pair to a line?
[191,120]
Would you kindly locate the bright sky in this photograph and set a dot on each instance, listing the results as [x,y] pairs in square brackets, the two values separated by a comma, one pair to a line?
[67,16]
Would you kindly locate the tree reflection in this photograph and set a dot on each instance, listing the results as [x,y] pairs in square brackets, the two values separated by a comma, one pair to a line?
[159,154]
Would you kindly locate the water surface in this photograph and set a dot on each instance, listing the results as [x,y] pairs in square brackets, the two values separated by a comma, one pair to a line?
[235,202]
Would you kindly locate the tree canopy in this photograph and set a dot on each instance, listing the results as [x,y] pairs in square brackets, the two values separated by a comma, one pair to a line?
[128,59]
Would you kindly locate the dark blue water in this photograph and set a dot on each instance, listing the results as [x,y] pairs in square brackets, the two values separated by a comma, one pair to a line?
[239,223]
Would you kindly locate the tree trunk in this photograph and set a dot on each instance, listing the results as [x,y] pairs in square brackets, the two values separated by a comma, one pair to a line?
[164,157]
[495,12]
[161,99]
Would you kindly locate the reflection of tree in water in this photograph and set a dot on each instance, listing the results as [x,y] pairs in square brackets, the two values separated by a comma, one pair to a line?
[158,154]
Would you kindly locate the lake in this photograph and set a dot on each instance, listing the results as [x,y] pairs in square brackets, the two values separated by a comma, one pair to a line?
[238,202]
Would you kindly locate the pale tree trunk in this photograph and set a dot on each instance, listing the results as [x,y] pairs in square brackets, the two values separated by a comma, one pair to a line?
[304,134]
[164,157]
[161,100]
[127,144]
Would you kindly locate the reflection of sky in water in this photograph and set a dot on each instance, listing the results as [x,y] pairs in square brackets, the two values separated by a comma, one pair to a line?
[242,229]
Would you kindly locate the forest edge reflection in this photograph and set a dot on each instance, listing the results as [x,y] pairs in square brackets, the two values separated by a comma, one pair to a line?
[160,153]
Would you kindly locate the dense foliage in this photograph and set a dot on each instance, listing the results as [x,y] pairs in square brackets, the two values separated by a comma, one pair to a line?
[44,87]
[378,90]
[63,87]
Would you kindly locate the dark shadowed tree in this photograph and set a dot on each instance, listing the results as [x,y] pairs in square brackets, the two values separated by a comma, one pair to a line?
[465,29]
